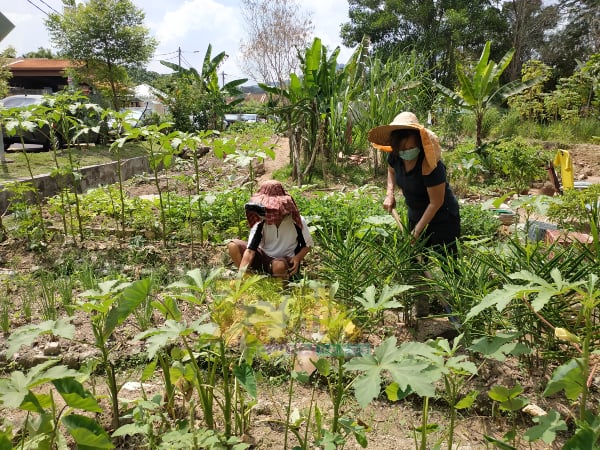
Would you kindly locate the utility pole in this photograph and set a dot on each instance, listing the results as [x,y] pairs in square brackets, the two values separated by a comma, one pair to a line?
[179,53]
[223,77]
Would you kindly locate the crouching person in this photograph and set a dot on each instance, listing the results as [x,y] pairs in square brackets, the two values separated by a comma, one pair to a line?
[279,237]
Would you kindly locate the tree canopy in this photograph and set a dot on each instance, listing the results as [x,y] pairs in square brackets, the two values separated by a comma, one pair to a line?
[435,29]
[107,36]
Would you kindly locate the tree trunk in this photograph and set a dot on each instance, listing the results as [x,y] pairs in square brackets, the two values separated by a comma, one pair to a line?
[315,149]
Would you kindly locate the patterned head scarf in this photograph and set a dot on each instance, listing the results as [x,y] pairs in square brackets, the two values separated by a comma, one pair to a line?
[277,202]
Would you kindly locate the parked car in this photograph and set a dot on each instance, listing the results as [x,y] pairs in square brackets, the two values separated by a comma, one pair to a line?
[250,118]
[36,135]
[134,116]
[89,115]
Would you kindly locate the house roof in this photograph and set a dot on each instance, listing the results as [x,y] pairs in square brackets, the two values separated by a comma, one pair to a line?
[39,65]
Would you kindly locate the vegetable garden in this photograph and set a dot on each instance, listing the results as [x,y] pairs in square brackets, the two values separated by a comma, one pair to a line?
[222,361]
[125,327]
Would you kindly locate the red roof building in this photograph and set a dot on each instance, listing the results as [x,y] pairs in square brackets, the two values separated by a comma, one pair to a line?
[38,75]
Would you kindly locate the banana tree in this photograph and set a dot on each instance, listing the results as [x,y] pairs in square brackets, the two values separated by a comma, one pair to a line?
[208,110]
[480,89]
[315,103]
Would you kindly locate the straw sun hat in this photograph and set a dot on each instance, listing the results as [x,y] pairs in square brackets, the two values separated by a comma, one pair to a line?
[380,137]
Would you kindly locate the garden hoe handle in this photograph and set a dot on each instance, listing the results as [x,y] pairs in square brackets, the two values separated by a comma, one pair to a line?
[397,219]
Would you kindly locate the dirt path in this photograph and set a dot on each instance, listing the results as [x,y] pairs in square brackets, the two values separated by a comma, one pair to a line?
[282,158]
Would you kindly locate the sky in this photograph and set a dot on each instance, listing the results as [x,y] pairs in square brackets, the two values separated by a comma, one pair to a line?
[183,28]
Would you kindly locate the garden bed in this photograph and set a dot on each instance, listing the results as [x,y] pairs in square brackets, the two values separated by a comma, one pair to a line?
[390,424]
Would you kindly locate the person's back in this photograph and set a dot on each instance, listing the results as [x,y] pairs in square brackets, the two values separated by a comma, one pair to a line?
[279,237]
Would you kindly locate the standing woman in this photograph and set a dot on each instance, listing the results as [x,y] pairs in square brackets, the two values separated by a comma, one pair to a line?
[414,166]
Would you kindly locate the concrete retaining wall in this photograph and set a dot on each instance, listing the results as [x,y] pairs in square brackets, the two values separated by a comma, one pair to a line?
[91,176]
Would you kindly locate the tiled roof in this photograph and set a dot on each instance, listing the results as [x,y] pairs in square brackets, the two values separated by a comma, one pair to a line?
[32,64]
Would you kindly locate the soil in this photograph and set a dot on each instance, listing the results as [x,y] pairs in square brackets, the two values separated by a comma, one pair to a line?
[391,425]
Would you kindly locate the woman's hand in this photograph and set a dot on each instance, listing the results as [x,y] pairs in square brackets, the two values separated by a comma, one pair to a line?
[389,203]
[390,200]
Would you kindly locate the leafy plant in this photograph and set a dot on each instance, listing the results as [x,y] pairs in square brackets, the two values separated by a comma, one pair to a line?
[508,400]
[481,89]
[21,391]
[374,306]
[477,222]
[109,306]
[516,160]
[574,210]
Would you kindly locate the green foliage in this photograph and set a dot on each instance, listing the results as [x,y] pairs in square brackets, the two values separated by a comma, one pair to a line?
[480,87]
[477,222]
[516,160]
[109,306]
[586,128]
[315,106]
[446,30]
[197,101]
[529,104]
[338,209]
[574,210]
[108,36]
[42,423]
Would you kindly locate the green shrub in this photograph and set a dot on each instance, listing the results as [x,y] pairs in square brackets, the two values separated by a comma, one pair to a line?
[508,125]
[340,209]
[585,129]
[515,159]
[573,209]
[560,131]
[476,222]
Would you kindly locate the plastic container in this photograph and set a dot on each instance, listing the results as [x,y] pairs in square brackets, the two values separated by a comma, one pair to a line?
[536,230]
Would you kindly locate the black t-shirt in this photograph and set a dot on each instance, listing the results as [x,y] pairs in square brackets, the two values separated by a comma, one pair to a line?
[414,188]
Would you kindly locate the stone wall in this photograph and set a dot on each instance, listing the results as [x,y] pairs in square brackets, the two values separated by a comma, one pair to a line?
[91,176]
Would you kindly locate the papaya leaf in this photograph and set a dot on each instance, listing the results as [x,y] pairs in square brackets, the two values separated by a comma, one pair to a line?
[499,298]
[500,346]
[171,331]
[27,334]
[402,366]
[386,300]
[568,377]
[546,428]
[394,393]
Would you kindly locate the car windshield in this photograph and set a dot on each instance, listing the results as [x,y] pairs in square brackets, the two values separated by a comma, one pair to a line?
[18,101]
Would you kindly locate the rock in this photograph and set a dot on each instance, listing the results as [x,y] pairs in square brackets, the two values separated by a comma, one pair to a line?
[263,408]
[303,361]
[534,410]
[52,349]
[133,386]
[38,358]
[548,189]
[71,361]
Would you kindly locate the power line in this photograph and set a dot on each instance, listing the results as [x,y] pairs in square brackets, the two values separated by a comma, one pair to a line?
[165,54]
[36,6]
[49,6]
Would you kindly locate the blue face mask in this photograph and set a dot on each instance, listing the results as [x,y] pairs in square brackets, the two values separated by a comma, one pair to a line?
[410,153]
